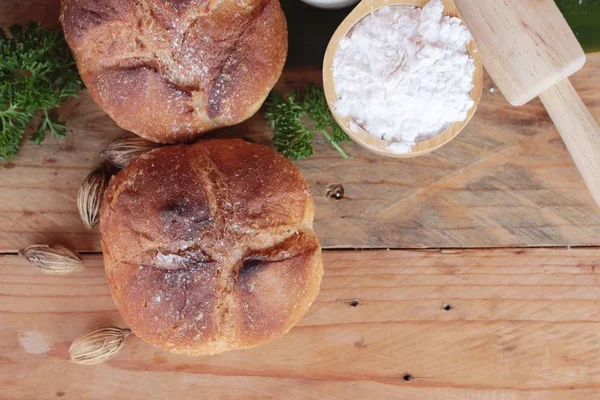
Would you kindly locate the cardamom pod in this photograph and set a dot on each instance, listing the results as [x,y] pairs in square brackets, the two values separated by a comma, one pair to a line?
[99,345]
[124,149]
[90,195]
[53,259]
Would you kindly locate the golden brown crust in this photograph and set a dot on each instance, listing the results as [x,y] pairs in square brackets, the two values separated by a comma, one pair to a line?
[170,71]
[210,247]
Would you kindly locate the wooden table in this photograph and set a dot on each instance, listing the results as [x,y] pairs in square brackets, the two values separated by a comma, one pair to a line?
[490,291]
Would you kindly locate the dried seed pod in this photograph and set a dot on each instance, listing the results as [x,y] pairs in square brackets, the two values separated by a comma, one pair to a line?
[335,191]
[99,345]
[90,195]
[124,149]
[55,259]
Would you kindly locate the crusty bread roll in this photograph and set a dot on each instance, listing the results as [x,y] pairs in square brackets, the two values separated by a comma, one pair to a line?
[210,247]
[171,70]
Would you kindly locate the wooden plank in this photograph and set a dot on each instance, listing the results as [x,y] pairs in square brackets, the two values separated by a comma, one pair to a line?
[507,180]
[523,325]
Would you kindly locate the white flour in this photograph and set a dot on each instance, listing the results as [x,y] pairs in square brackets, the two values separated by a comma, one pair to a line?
[403,73]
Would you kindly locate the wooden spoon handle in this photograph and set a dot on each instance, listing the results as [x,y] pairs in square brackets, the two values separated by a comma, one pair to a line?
[578,129]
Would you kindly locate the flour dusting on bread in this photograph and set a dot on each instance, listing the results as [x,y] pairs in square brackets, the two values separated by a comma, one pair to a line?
[221,233]
[172,70]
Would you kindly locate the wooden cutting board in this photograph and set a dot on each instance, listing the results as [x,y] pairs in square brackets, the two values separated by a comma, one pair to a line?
[406,325]
[507,180]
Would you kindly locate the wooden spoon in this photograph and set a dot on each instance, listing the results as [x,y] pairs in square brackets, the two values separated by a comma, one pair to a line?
[359,135]
[529,50]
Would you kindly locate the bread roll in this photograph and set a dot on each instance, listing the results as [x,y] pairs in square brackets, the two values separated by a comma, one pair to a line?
[210,247]
[171,70]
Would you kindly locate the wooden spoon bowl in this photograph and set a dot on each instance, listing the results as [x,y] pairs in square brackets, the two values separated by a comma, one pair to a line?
[359,135]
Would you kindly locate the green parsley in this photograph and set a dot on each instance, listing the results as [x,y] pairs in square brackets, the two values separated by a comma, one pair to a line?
[297,118]
[37,74]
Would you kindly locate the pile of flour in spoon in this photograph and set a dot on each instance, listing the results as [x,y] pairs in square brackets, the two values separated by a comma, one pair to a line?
[403,73]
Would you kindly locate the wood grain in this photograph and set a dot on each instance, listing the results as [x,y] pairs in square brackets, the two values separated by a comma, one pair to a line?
[520,325]
[529,50]
[579,131]
[506,180]
[527,46]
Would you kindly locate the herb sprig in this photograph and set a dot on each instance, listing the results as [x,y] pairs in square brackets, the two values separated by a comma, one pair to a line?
[296,118]
[37,74]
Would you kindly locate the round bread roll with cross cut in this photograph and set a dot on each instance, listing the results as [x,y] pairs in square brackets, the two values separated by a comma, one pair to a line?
[210,247]
[171,70]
